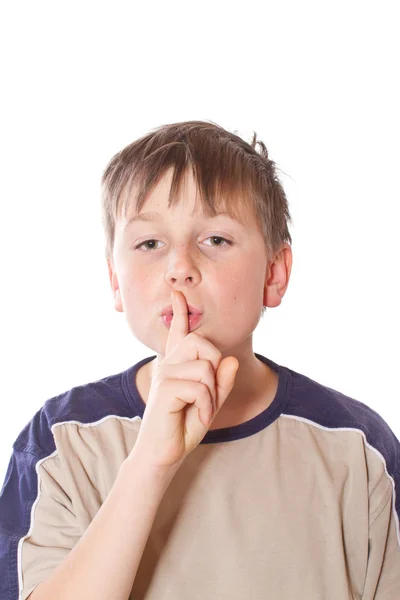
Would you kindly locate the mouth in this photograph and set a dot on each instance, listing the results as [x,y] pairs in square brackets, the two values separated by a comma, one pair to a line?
[193,320]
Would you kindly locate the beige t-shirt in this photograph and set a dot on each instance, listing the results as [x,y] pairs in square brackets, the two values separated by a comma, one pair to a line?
[299,503]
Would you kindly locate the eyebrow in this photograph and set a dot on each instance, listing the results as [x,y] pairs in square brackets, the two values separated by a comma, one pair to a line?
[155,216]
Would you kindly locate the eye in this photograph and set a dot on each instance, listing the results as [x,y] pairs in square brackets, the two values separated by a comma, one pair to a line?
[145,242]
[212,237]
[218,237]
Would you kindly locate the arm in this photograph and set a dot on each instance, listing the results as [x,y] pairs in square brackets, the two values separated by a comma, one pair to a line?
[104,562]
[382,580]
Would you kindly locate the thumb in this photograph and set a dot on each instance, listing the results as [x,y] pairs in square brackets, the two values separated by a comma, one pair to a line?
[225,378]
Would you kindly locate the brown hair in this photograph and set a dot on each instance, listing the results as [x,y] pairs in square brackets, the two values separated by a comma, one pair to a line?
[230,175]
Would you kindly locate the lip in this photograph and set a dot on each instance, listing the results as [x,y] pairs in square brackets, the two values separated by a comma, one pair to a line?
[194,320]
[167,310]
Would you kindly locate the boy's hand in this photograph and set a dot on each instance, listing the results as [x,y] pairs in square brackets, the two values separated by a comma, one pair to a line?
[187,391]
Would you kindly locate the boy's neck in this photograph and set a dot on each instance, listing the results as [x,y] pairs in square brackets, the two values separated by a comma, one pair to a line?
[243,403]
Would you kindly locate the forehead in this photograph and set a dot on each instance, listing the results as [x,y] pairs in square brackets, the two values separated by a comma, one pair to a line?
[188,201]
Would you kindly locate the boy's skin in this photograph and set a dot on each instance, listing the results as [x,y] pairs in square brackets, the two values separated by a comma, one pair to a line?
[229,284]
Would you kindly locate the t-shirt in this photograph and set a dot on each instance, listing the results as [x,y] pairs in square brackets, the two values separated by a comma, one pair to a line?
[298,503]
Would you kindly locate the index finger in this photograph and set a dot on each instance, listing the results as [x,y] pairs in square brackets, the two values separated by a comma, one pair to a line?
[179,324]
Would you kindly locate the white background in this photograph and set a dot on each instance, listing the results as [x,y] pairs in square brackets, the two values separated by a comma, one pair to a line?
[317,81]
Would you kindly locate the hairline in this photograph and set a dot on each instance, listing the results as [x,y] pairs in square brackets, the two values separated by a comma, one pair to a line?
[126,200]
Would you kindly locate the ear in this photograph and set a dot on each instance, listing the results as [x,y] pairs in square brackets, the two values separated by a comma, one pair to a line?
[115,287]
[277,277]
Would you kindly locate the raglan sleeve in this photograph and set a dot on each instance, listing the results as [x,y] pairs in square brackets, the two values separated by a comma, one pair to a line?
[37,523]
[382,581]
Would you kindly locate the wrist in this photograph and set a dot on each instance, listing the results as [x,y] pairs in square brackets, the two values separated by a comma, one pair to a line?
[144,469]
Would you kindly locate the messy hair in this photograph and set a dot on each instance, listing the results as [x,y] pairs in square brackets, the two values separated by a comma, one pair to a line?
[231,176]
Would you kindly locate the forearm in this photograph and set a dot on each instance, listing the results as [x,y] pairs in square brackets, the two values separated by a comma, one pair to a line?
[104,563]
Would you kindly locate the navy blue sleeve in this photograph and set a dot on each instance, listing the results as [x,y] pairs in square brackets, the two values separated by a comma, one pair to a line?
[18,494]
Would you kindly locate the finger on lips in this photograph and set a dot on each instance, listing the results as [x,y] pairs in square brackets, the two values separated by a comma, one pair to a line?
[179,325]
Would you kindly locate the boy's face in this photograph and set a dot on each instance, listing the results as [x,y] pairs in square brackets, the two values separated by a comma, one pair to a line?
[225,282]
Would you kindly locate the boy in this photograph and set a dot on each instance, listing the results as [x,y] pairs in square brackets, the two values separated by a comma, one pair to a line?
[206,471]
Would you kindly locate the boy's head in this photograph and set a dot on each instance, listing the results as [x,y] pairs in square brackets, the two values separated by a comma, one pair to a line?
[190,173]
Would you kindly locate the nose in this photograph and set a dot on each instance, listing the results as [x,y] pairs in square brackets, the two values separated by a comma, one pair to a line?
[182,269]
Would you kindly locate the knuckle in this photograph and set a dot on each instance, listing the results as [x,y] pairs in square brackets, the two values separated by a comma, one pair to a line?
[210,369]
[196,340]
[206,391]
[217,357]
[199,340]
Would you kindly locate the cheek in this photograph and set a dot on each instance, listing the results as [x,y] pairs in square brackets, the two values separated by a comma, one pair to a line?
[132,289]
[244,288]
[239,281]
[230,293]
[136,278]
